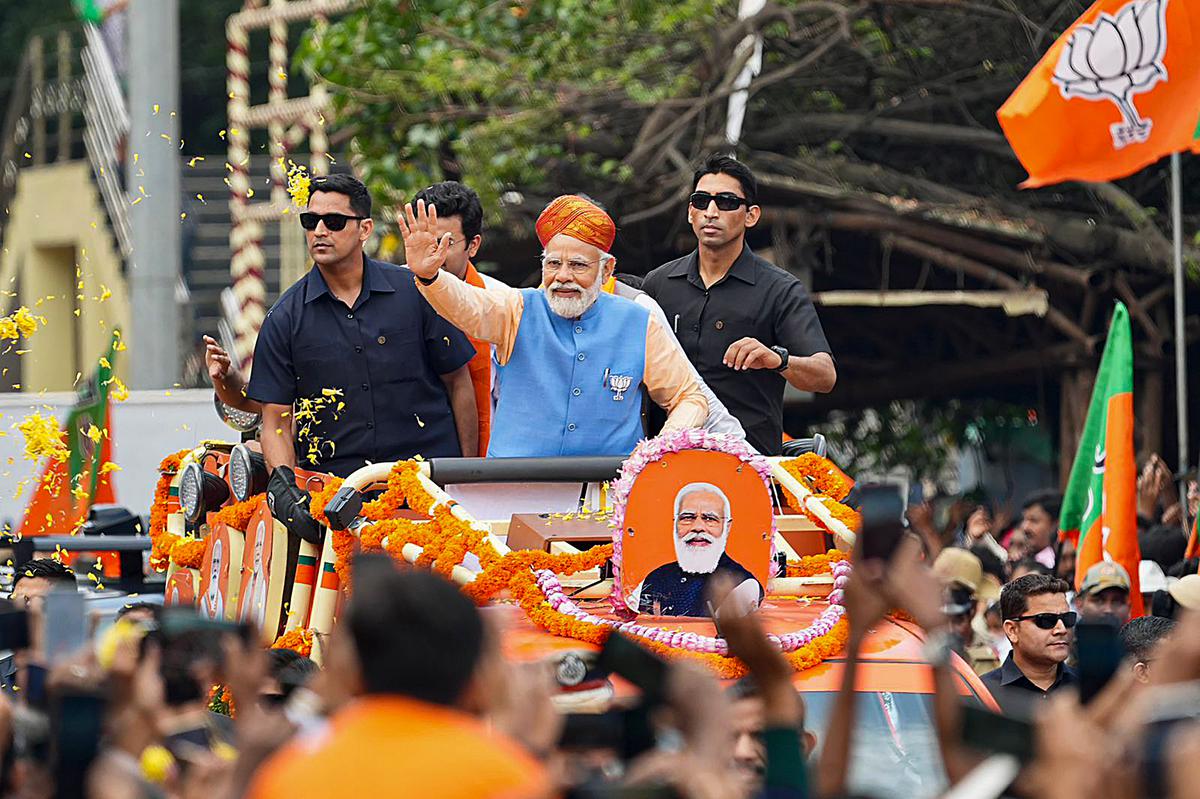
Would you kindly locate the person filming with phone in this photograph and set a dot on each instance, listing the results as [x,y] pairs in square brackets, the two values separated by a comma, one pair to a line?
[1039,623]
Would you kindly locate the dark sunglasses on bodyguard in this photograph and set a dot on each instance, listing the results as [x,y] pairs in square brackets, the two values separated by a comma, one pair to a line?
[333,222]
[725,201]
[1048,621]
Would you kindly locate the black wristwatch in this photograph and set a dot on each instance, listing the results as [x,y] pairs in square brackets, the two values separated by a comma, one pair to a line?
[428,281]
[783,357]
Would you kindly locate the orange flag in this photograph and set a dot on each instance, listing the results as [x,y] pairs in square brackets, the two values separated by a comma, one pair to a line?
[1099,509]
[1119,90]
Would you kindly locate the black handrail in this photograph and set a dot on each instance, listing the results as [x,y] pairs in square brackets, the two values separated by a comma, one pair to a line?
[588,469]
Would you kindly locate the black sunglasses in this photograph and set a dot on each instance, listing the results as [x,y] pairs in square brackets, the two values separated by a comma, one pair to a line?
[1048,621]
[334,222]
[725,201]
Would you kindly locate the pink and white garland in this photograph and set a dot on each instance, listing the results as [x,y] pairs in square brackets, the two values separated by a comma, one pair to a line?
[654,449]
[551,588]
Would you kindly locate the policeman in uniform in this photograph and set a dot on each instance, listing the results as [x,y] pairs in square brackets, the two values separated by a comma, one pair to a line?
[961,573]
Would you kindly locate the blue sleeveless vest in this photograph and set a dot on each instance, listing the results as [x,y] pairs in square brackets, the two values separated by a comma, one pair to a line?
[572,386]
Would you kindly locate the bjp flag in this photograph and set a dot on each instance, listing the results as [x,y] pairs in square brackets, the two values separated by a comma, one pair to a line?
[1099,509]
[1119,90]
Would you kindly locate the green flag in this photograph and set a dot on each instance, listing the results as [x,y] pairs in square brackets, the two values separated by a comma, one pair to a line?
[1099,509]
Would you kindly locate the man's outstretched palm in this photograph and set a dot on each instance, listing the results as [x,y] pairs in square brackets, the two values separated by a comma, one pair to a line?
[424,250]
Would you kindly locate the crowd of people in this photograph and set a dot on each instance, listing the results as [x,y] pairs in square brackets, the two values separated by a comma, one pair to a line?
[414,696]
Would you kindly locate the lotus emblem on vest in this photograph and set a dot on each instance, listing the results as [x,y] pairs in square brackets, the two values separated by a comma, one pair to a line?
[1117,58]
[619,384]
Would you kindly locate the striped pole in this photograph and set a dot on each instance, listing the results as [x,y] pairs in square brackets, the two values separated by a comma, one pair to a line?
[302,586]
[325,595]
[245,237]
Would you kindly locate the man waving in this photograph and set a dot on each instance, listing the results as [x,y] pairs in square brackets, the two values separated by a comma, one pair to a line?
[574,361]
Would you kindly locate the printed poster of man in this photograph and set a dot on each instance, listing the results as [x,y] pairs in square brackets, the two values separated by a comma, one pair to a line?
[717,522]
[219,582]
[264,570]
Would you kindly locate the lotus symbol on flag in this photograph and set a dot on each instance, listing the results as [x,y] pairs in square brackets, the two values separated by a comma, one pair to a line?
[1116,58]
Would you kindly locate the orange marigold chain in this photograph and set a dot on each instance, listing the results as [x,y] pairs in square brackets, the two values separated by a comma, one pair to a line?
[237,515]
[812,565]
[299,641]
[162,542]
[188,553]
[819,473]
[829,484]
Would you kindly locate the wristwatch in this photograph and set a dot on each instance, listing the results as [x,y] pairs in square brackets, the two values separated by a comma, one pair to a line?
[428,281]
[783,357]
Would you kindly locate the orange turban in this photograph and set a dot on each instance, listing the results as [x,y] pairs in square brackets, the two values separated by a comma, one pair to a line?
[579,219]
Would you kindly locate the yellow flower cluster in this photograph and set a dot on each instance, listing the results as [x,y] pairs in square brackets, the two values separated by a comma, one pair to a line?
[298,183]
[21,322]
[43,439]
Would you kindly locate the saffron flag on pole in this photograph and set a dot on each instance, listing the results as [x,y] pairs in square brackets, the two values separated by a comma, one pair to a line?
[1099,509]
[1119,90]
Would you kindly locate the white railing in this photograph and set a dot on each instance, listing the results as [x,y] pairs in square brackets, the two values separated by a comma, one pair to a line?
[107,126]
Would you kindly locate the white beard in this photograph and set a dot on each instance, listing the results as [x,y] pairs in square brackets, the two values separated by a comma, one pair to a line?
[575,307]
[696,560]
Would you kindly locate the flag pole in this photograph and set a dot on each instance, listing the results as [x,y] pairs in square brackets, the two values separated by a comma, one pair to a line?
[1180,340]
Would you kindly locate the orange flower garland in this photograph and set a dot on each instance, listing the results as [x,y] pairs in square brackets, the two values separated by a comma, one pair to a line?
[812,565]
[238,514]
[187,553]
[299,641]
[820,475]
[531,599]
[161,541]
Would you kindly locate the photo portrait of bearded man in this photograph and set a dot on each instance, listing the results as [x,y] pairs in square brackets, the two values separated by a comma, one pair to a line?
[701,534]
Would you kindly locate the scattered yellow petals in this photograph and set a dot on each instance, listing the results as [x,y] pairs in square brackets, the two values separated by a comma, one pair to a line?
[43,439]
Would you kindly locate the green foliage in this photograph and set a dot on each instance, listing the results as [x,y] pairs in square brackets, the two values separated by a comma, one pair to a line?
[502,92]
[923,437]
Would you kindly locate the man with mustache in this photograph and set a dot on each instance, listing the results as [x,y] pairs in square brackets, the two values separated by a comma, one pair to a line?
[574,362]
[702,521]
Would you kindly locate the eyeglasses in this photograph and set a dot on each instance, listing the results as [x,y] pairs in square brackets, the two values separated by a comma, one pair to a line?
[1048,621]
[725,201]
[551,266]
[333,222]
[708,518]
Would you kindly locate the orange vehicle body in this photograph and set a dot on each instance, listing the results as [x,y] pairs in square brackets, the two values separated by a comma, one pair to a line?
[890,661]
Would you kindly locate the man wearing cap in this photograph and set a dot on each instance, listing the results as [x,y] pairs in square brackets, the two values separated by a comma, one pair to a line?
[1104,595]
[960,573]
[574,362]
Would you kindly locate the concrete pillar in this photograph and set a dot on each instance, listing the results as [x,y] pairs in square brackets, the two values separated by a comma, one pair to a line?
[153,177]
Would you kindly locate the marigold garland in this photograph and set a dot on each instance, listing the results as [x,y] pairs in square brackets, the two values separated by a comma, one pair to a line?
[819,474]
[188,553]
[237,515]
[812,565]
[829,486]
[299,641]
[162,542]
[445,540]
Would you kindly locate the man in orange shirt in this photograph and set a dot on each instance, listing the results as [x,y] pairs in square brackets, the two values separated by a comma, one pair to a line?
[412,650]
[460,214]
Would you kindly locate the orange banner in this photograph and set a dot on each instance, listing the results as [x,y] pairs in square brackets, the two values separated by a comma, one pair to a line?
[1119,90]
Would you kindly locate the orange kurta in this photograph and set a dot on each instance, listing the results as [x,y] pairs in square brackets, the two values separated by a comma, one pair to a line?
[394,746]
[480,368]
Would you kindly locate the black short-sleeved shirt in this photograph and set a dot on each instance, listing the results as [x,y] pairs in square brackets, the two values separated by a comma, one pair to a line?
[385,355]
[755,299]
[1014,692]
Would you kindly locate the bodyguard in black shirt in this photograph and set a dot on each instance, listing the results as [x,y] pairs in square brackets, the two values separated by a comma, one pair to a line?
[746,324]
